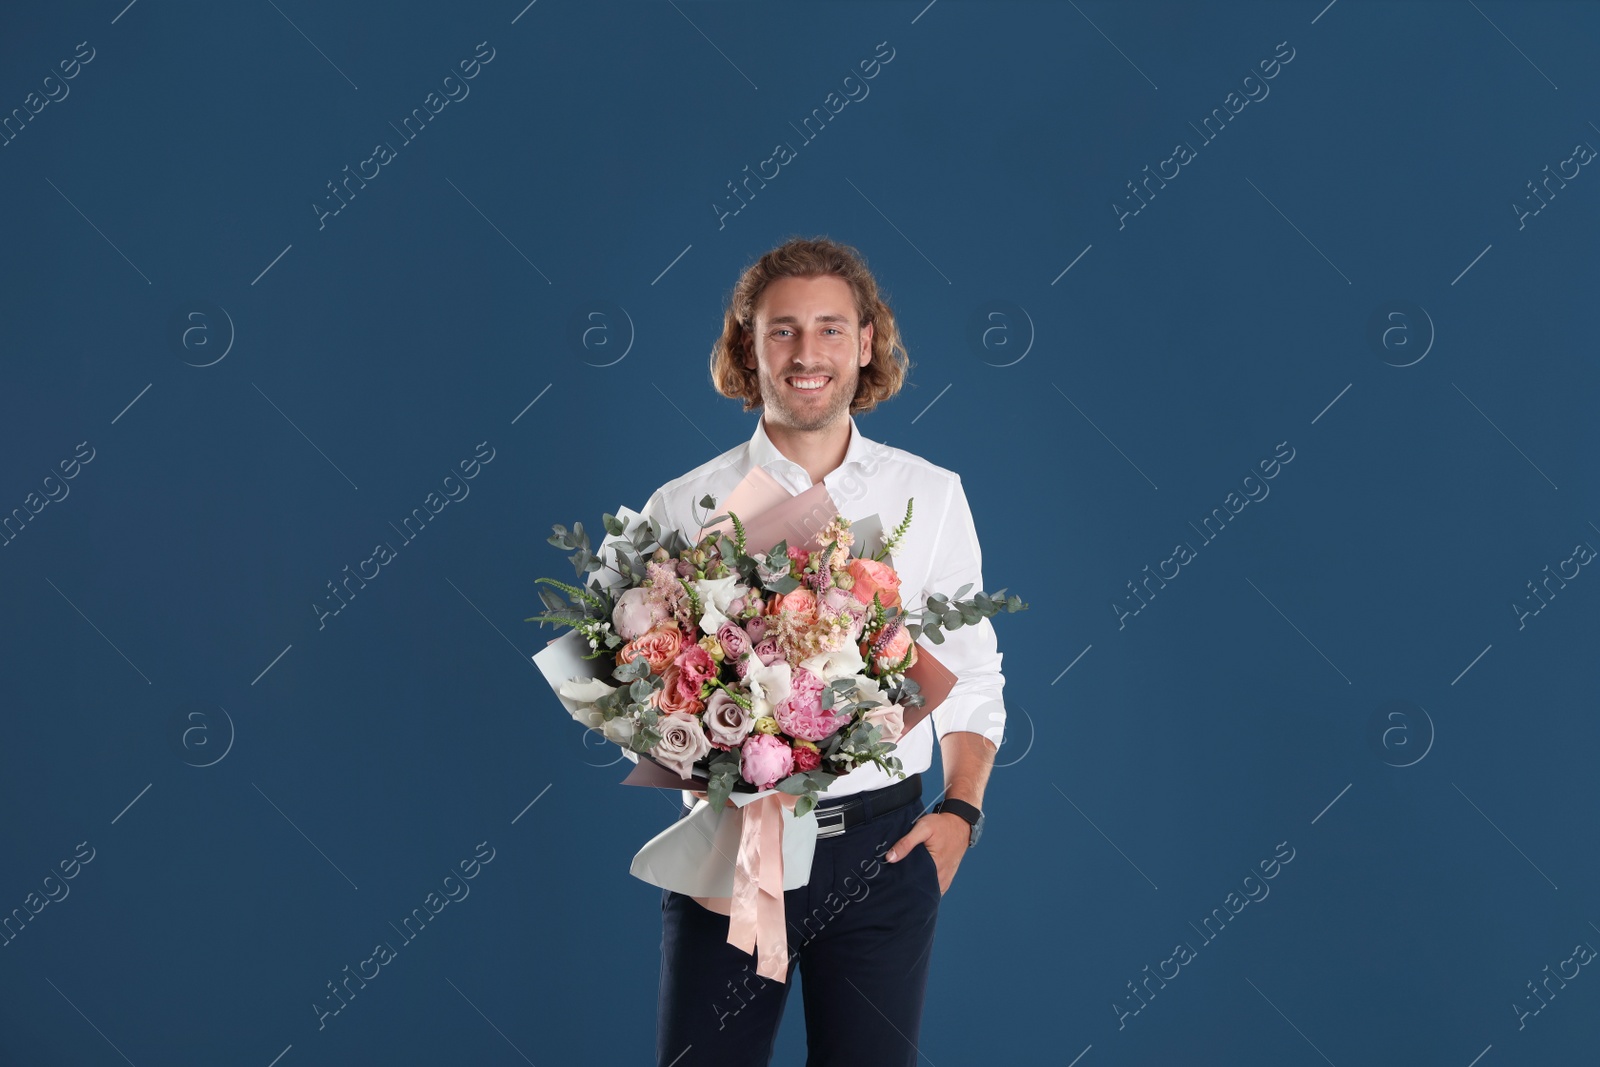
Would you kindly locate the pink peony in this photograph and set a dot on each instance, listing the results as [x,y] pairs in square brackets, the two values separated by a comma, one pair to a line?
[733,639]
[801,714]
[763,760]
[636,612]
[695,665]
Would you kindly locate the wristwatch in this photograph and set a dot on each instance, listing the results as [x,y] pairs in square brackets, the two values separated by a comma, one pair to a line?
[967,812]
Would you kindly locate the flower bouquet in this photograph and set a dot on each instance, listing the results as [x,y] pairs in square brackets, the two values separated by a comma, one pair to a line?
[747,671]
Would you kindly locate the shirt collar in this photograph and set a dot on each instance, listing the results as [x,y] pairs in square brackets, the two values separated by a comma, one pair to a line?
[763,453]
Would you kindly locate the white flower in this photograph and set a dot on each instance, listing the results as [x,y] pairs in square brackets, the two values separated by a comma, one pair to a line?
[620,729]
[715,595]
[768,685]
[841,663]
[868,691]
[585,691]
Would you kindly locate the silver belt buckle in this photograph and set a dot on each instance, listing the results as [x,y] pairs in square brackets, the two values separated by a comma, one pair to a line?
[834,828]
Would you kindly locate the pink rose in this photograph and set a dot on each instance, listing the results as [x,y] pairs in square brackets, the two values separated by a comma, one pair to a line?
[874,576]
[695,665]
[733,639]
[806,759]
[757,627]
[728,722]
[763,760]
[799,556]
[636,612]
[682,742]
[890,721]
[767,650]
[801,714]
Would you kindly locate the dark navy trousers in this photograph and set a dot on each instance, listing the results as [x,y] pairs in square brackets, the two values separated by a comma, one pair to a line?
[860,934]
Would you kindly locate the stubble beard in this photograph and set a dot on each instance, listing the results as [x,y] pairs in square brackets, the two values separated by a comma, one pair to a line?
[775,398]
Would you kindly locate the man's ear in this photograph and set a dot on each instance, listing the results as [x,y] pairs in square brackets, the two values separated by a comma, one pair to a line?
[865,356]
[746,355]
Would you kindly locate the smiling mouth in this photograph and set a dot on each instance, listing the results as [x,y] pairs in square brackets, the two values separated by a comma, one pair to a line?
[813,383]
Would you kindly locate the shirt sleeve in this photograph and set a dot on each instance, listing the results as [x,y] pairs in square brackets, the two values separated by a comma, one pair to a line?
[970,652]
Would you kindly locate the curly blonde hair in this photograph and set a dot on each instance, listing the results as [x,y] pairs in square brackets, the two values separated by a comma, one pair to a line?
[801,257]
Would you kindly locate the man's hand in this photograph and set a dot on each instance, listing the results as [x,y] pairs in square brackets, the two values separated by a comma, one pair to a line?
[945,835]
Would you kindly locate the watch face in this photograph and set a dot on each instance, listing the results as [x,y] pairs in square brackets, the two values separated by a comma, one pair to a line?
[977,829]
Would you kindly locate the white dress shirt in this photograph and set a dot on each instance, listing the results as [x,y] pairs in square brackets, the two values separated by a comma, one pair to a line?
[938,554]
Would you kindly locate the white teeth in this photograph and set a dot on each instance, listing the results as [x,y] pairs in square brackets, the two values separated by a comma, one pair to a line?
[808,384]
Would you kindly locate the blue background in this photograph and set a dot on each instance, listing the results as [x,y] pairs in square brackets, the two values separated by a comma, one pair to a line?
[265,793]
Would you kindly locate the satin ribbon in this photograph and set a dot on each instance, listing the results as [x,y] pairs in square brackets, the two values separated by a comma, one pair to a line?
[756,922]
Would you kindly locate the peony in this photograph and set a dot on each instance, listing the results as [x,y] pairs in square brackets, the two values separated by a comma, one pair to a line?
[659,647]
[733,639]
[694,665]
[671,698]
[802,602]
[889,719]
[764,759]
[682,743]
[806,758]
[636,612]
[872,576]
[728,722]
[801,714]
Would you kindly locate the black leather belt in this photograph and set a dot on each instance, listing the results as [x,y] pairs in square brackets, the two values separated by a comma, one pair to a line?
[834,817]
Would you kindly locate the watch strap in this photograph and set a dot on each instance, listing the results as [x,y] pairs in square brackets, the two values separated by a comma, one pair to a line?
[959,807]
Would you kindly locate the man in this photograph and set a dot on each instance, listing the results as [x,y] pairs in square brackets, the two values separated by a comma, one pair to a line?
[808,339]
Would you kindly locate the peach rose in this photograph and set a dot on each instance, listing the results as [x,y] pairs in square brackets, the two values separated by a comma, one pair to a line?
[671,699]
[874,576]
[659,647]
[892,652]
[802,602]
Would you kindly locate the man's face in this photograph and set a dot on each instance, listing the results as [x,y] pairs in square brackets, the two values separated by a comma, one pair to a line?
[807,350]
